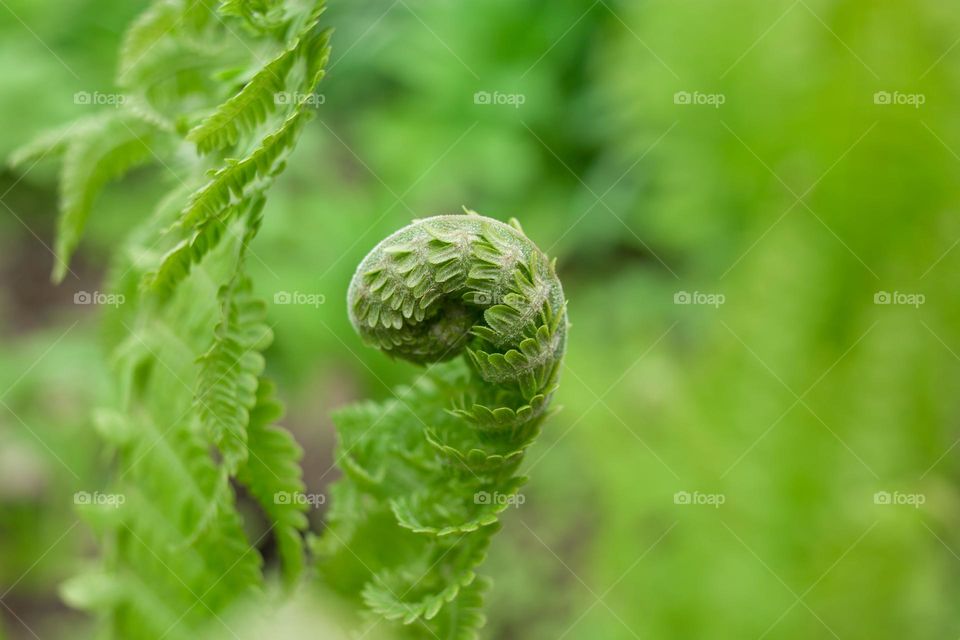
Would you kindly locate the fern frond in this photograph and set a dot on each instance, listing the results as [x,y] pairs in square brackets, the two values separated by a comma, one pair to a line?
[193,419]
[51,143]
[149,28]
[92,158]
[431,471]
[94,150]
[265,92]
[166,573]
[238,178]
[233,191]
[463,618]
[246,110]
[178,261]
[447,510]
[419,589]
[230,370]
[273,476]
[259,14]
[174,56]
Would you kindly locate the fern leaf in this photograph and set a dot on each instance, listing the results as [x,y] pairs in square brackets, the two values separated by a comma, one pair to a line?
[177,262]
[463,618]
[193,416]
[155,23]
[169,573]
[92,159]
[51,143]
[259,14]
[446,510]
[421,588]
[234,182]
[230,370]
[273,476]
[262,95]
[246,110]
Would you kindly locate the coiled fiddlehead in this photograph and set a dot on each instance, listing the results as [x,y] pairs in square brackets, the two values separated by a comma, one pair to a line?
[427,473]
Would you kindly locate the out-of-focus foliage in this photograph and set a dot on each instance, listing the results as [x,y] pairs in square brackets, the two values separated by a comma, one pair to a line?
[797,399]
[188,422]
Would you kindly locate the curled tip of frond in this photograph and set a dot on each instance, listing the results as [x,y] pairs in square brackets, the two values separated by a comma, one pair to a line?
[418,292]
[468,284]
[440,460]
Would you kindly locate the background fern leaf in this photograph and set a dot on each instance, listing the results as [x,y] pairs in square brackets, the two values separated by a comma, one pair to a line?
[156,22]
[273,476]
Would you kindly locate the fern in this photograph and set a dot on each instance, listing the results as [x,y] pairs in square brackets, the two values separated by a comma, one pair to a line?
[95,151]
[231,182]
[193,418]
[230,370]
[258,13]
[233,190]
[265,91]
[273,471]
[148,31]
[427,473]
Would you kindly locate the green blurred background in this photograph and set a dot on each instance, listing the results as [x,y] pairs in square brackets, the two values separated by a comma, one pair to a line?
[772,157]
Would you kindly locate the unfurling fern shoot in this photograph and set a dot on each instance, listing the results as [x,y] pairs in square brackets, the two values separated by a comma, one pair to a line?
[427,473]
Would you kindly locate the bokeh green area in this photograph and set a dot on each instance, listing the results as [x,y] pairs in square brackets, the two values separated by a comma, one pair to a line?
[775,459]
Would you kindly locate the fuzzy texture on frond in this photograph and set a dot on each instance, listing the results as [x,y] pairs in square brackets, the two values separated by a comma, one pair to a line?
[428,473]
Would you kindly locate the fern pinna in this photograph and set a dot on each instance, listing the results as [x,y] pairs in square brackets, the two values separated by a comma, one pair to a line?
[215,95]
[427,473]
